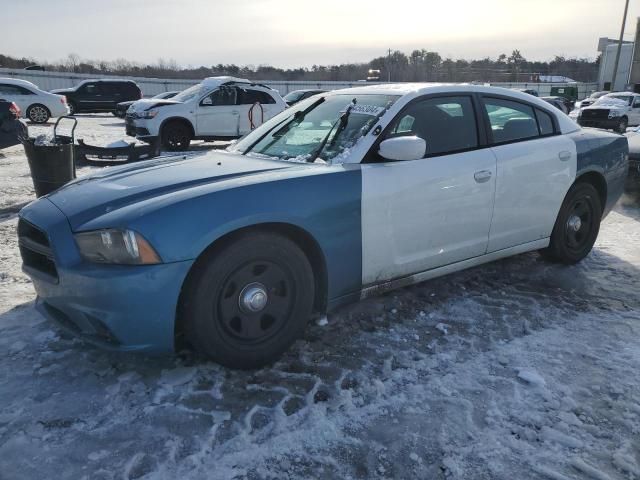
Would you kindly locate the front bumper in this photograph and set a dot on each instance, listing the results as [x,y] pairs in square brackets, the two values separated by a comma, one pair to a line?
[134,130]
[129,308]
[609,123]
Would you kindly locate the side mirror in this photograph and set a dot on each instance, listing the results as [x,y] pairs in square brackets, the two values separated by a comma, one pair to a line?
[403,148]
[207,101]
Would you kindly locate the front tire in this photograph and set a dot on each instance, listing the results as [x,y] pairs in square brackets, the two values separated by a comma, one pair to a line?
[245,304]
[72,108]
[176,136]
[577,225]
[38,113]
[622,125]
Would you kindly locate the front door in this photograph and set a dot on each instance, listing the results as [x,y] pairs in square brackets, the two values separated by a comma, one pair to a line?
[217,114]
[422,214]
[536,166]
[634,114]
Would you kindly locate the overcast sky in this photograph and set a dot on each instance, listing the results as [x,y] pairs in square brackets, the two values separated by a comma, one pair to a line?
[288,33]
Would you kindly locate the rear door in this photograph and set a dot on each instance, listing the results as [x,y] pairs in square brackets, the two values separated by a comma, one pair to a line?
[426,213]
[112,93]
[217,114]
[535,168]
[255,107]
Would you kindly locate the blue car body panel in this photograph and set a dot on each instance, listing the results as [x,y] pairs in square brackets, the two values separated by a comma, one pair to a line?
[606,154]
[181,216]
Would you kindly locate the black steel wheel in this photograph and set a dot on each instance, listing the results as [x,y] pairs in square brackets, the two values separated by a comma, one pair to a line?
[176,136]
[72,108]
[245,304]
[577,225]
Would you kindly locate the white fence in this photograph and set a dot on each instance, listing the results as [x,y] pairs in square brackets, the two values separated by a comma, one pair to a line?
[153,86]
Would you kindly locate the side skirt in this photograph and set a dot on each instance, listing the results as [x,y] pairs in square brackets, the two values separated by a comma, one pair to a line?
[377,289]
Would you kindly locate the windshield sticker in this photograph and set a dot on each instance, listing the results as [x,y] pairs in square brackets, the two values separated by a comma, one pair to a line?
[366,110]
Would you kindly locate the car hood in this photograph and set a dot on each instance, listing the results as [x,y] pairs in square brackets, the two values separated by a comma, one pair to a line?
[147,103]
[610,104]
[110,189]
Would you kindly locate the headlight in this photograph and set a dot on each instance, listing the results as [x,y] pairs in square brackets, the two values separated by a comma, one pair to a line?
[149,113]
[614,114]
[121,247]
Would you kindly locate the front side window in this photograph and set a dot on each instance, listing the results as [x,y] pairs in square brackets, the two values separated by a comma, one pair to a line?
[224,96]
[446,124]
[322,128]
[510,121]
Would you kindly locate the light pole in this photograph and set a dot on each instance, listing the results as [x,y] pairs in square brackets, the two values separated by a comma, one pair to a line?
[615,65]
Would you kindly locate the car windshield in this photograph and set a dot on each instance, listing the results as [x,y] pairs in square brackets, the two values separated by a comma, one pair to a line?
[293,96]
[596,95]
[323,128]
[189,93]
[616,98]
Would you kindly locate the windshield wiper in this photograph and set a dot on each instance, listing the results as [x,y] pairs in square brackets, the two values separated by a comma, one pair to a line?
[298,116]
[341,123]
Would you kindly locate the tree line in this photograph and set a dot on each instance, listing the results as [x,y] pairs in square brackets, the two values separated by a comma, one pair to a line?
[420,65]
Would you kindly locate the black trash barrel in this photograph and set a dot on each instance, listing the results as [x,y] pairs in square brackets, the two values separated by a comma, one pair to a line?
[52,164]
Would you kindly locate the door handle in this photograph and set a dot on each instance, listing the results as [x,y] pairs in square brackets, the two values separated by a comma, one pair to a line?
[564,155]
[482,176]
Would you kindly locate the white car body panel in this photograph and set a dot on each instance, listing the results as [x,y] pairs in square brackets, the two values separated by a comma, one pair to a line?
[53,102]
[422,214]
[461,223]
[532,181]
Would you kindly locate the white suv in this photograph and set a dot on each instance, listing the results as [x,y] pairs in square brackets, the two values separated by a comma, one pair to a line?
[218,108]
[37,105]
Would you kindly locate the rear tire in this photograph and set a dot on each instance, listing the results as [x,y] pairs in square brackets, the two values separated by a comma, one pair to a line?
[176,136]
[38,113]
[245,304]
[576,227]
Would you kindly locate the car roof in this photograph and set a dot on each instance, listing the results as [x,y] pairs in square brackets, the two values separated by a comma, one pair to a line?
[115,80]
[217,81]
[413,90]
[17,81]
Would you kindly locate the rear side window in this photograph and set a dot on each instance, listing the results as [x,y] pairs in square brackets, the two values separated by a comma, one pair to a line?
[447,124]
[249,96]
[7,89]
[110,88]
[544,122]
[510,121]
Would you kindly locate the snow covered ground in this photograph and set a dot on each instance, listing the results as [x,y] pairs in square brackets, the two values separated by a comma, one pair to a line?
[519,369]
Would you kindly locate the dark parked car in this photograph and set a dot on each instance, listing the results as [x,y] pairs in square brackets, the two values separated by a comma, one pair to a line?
[122,107]
[298,95]
[560,103]
[11,129]
[530,91]
[99,95]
